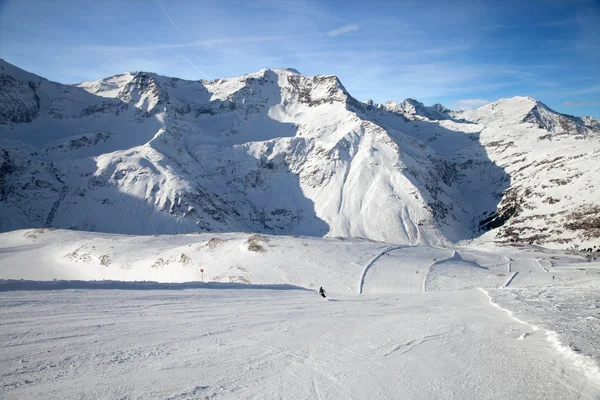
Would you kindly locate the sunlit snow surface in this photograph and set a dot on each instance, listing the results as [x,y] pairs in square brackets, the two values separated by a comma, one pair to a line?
[238,344]
[278,152]
[260,330]
[569,313]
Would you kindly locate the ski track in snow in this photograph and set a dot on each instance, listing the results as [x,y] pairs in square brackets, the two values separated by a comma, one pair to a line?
[402,271]
[512,276]
[370,264]
[412,344]
[427,274]
[541,266]
[584,364]
[239,344]
[255,331]
[509,312]
[527,272]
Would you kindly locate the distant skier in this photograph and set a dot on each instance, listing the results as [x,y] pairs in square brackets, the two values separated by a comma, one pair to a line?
[322,292]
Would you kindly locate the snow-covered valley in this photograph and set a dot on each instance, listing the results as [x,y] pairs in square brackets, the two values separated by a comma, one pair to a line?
[92,315]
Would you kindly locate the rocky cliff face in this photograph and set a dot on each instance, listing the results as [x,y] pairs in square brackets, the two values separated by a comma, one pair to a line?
[280,152]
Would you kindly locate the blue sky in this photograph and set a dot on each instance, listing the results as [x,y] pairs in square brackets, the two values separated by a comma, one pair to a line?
[460,53]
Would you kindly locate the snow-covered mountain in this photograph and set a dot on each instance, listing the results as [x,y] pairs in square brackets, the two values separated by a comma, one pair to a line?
[283,153]
[415,110]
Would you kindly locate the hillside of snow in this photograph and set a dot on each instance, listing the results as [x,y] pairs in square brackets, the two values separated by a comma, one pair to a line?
[86,315]
[277,152]
[343,265]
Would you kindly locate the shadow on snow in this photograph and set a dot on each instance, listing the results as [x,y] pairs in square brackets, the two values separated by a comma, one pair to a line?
[11,285]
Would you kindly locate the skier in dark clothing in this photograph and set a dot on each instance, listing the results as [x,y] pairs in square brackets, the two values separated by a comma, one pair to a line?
[322,292]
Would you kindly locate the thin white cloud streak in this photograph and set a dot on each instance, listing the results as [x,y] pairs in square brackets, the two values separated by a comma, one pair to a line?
[581,103]
[383,81]
[169,17]
[176,27]
[591,89]
[194,65]
[342,30]
[197,43]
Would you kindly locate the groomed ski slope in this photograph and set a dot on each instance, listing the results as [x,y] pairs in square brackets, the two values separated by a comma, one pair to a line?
[261,333]
[270,344]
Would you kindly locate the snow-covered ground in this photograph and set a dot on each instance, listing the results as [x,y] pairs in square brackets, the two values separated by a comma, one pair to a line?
[240,344]
[431,322]
[568,312]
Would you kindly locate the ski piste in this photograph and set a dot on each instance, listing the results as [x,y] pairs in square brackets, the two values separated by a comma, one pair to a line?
[253,329]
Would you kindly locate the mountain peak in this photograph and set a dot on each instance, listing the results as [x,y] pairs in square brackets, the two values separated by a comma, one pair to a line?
[439,107]
[526,109]
[411,108]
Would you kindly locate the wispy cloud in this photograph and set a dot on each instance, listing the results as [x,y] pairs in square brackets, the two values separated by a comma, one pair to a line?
[469,103]
[587,90]
[164,10]
[581,103]
[176,27]
[197,43]
[342,30]
[193,65]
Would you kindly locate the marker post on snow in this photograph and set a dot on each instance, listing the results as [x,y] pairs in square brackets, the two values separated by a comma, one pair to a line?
[202,274]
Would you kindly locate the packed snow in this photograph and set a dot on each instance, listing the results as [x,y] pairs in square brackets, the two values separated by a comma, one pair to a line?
[89,315]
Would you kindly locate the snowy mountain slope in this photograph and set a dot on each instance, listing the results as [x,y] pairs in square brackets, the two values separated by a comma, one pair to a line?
[225,257]
[415,110]
[273,151]
[528,110]
[234,316]
[552,160]
[541,165]
[341,265]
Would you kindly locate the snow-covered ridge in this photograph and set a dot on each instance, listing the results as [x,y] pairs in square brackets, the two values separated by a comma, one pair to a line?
[279,152]
[413,109]
[528,110]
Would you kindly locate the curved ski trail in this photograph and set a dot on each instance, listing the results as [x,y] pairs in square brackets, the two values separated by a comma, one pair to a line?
[370,264]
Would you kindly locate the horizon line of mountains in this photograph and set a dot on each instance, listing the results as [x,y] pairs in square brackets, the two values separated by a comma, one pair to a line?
[282,153]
